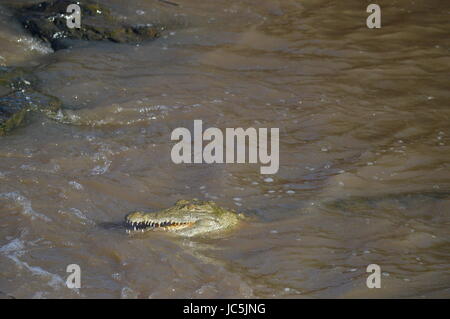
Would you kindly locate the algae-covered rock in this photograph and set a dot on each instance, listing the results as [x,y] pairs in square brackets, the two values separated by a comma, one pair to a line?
[48,21]
[14,107]
[12,112]
[21,98]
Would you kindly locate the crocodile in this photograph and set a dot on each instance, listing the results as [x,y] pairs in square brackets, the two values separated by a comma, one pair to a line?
[186,218]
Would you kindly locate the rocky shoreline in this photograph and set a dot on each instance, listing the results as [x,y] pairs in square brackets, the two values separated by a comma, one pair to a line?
[47,21]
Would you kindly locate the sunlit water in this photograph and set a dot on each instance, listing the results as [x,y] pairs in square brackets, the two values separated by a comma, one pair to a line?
[364,153]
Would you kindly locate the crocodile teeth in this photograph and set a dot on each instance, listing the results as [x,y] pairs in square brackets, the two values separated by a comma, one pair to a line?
[147,224]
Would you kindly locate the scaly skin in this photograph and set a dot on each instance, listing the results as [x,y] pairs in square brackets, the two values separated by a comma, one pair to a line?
[187,218]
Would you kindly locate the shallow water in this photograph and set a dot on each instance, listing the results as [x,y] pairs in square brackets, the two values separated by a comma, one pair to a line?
[364,146]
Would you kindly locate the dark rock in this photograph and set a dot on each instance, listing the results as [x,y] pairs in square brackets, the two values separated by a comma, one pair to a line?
[47,20]
[12,112]
[21,99]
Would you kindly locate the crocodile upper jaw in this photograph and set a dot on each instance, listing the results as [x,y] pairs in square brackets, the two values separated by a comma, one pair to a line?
[143,226]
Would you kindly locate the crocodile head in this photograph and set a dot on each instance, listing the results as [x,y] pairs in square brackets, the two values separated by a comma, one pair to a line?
[185,218]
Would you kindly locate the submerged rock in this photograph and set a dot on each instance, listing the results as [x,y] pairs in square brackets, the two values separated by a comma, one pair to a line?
[47,20]
[12,113]
[21,99]
[15,106]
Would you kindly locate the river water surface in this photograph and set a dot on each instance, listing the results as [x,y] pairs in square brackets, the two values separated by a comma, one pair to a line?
[364,172]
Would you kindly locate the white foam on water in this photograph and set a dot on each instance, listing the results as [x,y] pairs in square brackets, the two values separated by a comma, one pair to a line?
[101,169]
[15,249]
[32,44]
[76,185]
[128,293]
[77,213]
[54,281]
[25,203]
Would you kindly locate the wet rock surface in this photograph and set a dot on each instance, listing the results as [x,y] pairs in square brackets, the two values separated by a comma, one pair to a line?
[12,113]
[48,21]
[20,99]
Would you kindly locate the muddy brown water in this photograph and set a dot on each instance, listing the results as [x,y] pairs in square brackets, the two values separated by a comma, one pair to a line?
[364,153]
